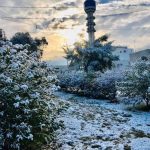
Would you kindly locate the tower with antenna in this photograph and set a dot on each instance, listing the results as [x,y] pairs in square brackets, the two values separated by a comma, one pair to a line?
[90,8]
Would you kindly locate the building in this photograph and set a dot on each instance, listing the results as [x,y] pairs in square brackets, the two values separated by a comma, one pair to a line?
[144,54]
[124,54]
[2,35]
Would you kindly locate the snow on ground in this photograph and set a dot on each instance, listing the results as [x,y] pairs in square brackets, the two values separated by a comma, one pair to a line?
[97,124]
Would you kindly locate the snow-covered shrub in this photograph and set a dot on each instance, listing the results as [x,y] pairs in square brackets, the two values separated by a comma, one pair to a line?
[136,82]
[71,80]
[95,85]
[104,85]
[27,107]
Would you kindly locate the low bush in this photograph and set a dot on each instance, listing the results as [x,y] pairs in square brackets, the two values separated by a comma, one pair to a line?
[94,85]
[135,86]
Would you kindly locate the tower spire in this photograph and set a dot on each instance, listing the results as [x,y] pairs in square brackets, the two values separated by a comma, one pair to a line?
[90,8]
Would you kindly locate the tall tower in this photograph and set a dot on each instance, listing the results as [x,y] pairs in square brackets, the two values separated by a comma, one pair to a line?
[90,8]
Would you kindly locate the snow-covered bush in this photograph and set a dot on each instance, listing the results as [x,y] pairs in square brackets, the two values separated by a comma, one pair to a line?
[71,80]
[104,85]
[27,107]
[95,85]
[135,85]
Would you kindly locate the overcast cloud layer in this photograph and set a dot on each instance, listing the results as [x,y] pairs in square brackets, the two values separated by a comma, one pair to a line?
[63,22]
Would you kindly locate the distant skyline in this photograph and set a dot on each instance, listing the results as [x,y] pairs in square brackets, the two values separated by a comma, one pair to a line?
[63,22]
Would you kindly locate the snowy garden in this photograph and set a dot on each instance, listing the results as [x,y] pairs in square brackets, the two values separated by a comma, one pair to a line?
[89,106]
[109,107]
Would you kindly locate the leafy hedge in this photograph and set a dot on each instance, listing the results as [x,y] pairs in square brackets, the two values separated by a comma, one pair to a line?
[135,86]
[94,85]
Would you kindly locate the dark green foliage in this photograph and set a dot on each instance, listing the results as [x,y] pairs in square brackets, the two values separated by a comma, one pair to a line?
[34,44]
[97,58]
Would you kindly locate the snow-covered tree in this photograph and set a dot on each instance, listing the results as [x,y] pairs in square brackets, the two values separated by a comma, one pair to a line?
[27,106]
[97,58]
[136,83]
[34,45]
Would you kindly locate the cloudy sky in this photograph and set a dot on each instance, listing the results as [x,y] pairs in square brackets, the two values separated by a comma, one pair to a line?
[63,22]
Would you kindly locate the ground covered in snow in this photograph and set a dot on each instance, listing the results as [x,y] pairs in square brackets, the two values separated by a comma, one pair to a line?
[97,124]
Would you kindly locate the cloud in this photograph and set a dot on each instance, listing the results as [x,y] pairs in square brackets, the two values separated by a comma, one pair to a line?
[127,21]
[107,1]
[62,23]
